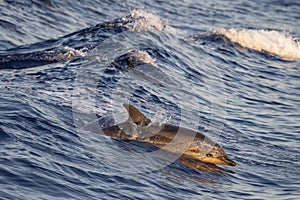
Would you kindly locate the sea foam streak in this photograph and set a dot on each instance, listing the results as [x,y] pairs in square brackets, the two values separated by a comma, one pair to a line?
[273,42]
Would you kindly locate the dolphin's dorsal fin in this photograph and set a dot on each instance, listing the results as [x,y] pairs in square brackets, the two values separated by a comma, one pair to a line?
[136,116]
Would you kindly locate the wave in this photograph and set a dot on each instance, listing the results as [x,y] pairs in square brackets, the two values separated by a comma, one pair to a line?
[147,21]
[79,44]
[143,56]
[274,42]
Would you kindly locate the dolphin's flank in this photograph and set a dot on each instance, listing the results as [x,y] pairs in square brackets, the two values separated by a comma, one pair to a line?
[201,152]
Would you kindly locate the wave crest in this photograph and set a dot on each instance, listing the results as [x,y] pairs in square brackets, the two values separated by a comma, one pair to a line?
[143,56]
[274,42]
[147,21]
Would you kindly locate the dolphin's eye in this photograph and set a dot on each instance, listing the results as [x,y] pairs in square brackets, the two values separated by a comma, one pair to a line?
[209,155]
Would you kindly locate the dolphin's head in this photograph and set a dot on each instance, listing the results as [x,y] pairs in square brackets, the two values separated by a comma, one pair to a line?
[217,155]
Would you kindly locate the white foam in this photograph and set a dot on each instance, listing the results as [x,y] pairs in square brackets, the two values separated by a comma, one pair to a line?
[147,21]
[73,53]
[65,53]
[274,42]
[144,57]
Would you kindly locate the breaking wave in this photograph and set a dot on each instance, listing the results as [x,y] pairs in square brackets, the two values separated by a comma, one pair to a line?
[274,42]
[147,21]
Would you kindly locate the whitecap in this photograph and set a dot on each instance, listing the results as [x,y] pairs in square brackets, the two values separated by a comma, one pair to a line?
[147,21]
[274,42]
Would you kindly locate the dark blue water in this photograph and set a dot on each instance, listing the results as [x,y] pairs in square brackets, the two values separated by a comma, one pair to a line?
[228,69]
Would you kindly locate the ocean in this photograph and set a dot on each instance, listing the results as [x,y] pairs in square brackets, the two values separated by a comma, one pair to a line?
[227,69]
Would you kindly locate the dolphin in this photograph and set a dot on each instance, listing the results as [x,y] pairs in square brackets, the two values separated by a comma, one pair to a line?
[201,152]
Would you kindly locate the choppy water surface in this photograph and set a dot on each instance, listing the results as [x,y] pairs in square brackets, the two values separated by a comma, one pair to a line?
[228,69]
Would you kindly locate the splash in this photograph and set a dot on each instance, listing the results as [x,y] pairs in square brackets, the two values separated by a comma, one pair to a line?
[273,42]
[147,21]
